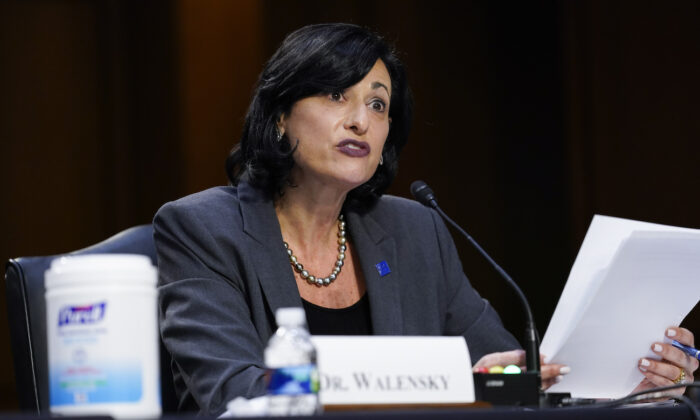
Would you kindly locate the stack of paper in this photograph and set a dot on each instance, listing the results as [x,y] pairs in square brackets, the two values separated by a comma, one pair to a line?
[630,281]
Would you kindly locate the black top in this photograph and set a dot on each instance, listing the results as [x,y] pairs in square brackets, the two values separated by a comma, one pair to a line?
[353,320]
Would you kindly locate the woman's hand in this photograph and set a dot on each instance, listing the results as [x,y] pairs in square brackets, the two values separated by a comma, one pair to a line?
[551,373]
[667,371]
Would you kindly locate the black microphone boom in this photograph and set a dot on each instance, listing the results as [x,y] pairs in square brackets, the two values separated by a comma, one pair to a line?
[423,194]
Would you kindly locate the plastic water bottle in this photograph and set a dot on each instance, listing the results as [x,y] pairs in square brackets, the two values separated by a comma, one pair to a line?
[291,359]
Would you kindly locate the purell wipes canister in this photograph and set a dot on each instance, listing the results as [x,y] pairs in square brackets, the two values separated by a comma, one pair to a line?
[103,336]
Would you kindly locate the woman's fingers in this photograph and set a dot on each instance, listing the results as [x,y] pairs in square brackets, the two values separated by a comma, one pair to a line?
[513,357]
[657,380]
[552,374]
[674,365]
[546,383]
[552,371]
[659,372]
[682,335]
[675,357]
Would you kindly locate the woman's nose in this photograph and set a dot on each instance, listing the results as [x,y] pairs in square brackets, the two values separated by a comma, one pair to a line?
[357,119]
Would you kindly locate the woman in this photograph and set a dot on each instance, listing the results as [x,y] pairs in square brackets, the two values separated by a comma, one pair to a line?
[305,224]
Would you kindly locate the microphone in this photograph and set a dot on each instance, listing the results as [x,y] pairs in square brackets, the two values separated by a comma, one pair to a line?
[424,195]
[422,192]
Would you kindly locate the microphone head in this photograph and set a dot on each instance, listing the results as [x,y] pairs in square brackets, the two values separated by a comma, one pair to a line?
[423,194]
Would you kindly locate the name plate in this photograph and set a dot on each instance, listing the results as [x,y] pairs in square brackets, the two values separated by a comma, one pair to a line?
[361,370]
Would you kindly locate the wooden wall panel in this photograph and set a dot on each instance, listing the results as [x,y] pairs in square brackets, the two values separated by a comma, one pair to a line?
[50,145]
[632,105]
[87,128]
[220,53]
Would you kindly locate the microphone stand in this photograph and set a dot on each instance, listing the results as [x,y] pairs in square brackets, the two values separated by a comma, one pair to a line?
[501,389]
[532,345]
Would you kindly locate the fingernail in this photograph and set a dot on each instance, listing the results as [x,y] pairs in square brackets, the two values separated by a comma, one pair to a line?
[558,379]
[564,370]
[645,363]
[658,348]
[670,332]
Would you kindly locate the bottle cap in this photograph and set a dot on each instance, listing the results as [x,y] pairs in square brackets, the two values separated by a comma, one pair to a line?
[290,316]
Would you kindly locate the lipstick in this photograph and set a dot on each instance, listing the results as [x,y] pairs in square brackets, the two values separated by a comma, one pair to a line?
[354,148]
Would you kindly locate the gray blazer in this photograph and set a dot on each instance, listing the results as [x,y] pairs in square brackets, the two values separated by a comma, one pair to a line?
[224,271]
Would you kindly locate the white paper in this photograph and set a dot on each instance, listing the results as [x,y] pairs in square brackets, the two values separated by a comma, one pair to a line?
[629,282]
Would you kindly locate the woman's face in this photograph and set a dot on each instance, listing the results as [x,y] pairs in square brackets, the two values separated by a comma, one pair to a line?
[340,136]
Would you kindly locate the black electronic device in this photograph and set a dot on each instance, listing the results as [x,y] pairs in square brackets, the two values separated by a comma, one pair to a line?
[522,389]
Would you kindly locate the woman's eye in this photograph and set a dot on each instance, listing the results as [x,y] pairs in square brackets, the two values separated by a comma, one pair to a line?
[378,105]
[336,96]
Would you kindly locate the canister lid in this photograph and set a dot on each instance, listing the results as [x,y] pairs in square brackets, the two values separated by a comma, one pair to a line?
[100,268]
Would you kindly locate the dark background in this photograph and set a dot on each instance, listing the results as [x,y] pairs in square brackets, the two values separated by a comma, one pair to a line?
[531,116]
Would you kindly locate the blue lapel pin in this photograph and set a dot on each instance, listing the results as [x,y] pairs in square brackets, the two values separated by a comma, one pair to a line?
[383,268]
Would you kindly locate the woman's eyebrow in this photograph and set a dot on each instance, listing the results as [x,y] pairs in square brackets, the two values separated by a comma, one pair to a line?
[376,85]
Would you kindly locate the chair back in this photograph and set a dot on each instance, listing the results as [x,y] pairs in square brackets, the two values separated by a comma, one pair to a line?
[26,307]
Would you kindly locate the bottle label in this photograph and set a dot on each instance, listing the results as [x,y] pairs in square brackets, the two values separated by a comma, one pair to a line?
[293,380]
[107,382]
[92,358]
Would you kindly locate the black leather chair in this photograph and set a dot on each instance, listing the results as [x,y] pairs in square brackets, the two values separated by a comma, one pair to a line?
[26,307]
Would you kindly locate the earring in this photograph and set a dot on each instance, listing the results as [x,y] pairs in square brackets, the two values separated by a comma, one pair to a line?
[279,135]
[381,159]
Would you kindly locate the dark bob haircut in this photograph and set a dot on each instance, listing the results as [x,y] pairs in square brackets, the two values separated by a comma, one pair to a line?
[317,59]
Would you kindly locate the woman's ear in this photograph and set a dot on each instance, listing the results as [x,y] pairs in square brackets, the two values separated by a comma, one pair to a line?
[281,126]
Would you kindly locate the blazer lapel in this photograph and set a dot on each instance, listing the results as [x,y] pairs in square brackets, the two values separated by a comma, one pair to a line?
[374,246]
[371,242]
[272,265]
